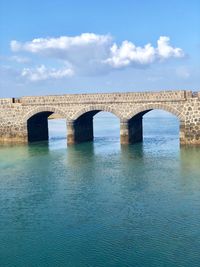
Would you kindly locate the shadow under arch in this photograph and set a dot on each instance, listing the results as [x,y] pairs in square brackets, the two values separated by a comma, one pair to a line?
[83,124]
[135,120]
[36,123]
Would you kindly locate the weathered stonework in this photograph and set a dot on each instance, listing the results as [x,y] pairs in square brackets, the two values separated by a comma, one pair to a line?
[25,119]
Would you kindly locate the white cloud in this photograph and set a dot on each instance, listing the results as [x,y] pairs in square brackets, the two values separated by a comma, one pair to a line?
[62,43]
[129,54]
[164,50]
[42,73]
[90,53]
[84,52]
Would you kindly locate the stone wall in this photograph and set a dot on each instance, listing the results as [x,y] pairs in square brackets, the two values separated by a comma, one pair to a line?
[15,113]
[106,98]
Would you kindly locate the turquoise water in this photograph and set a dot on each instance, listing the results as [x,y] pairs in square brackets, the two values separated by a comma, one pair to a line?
[100,204]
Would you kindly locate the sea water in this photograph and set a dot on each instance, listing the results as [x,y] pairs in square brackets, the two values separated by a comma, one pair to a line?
[99,203]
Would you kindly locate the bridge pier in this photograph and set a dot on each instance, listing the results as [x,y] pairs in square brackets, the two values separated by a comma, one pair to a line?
[190,133]
[70,133]
[80,130]
[13,137]
[131,131]
[12,132]
[182,134]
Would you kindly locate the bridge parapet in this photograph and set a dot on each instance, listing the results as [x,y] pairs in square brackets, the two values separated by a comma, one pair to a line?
[163,96]
[6,101]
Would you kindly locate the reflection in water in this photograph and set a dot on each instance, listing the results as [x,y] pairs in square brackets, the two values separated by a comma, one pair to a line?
[190,168]
[80,153]
[38,148]
[101,204]
[190,158]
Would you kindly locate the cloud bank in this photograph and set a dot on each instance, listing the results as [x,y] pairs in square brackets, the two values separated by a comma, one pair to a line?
[90,53]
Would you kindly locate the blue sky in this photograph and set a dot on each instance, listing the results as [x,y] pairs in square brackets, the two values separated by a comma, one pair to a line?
[58,47]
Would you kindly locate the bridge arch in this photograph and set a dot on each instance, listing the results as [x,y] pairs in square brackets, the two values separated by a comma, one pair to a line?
[147,107]
[132,127]
[41,109]
[80,128]
[36,122]
[97,108]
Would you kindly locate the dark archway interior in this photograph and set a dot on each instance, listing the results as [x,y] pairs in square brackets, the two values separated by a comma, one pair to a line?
[135,127]
[83,127]
[37,127]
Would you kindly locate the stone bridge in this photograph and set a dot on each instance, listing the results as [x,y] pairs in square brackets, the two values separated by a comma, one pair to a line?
[26,119]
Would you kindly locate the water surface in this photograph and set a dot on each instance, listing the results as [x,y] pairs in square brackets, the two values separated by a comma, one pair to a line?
[100,204]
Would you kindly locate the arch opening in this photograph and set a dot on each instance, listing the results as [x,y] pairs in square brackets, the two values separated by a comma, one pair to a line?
[45,125]
[106,126]
[159,124]
[154,124]
[88,126]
